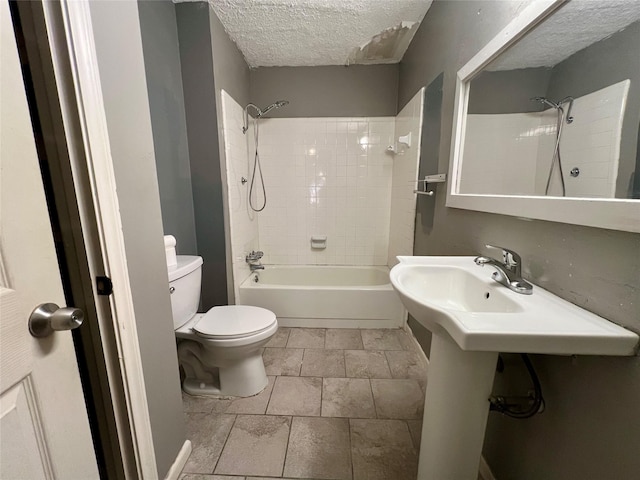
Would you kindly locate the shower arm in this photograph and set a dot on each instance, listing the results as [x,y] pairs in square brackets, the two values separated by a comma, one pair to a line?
[568,100]
[245,119]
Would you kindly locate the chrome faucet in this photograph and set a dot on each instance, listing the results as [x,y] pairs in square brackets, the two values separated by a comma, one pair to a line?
[253,259]
[508,272]
[254,256]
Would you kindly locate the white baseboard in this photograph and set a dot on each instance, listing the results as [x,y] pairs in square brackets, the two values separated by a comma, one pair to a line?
[485,471]
[180,461]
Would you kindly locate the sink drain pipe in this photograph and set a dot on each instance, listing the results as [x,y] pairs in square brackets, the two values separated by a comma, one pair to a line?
[535,401]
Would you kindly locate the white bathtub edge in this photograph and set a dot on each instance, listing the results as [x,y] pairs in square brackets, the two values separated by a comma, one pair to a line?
[337,323]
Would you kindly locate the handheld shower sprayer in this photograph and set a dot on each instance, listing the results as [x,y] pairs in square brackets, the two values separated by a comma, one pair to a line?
[562,118]
[277,104]
[557,106]
[256,159]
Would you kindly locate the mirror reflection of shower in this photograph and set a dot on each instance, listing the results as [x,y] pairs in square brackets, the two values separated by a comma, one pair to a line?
[256,159]
[562,118]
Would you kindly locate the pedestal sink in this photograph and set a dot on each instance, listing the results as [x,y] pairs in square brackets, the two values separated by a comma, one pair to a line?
[472,318]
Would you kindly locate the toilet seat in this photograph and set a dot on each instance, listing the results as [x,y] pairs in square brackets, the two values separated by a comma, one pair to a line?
[233,322]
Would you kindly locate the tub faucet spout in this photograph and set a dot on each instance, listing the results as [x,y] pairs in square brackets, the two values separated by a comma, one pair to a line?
[255,267]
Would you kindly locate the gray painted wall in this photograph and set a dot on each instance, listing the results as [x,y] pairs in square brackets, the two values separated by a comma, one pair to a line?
[602,64]
[230,69]
[509,91]
[166,101]
[196,58]
[121,63]
[589,429]
[429,159]
[331,91]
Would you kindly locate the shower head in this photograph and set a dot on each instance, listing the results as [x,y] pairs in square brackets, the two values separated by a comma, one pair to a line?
[276,104]
[545,101]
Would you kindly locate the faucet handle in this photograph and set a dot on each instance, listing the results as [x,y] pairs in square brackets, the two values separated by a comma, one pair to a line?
[254,256]
[510,258]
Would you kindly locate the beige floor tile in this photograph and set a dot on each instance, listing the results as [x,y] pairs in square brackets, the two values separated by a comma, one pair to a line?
[282,361]
[256,405]
[415,429]
[202,404]
[343,338]
[319,448]
[322,363]
[382,450]
[280,338]
[347,398]
[197,476]
[296,396]
[386,339]
[398,398]
[306,338]
[406,364]
[270,478]
[366,364]
[207,434]
[256,446]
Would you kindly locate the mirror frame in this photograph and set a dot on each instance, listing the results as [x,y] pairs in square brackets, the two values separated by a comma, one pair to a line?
[614,214]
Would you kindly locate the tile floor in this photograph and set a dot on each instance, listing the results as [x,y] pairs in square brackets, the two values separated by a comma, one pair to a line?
[341,404]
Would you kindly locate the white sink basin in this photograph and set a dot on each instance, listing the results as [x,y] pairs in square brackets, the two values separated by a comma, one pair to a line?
[472,318]
[455,294]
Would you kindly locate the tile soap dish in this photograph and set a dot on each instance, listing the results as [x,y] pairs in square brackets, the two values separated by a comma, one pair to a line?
[318,242]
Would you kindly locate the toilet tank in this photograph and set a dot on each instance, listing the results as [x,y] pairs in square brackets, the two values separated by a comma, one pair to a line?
[184,285]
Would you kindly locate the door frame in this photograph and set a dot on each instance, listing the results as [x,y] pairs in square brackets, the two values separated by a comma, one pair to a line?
[63,86]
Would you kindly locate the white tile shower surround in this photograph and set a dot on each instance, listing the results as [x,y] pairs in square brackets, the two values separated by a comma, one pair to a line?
[591,143]
[509,169]
[526,143]
[323,176]
[242,220]
[326,176]
[405,173]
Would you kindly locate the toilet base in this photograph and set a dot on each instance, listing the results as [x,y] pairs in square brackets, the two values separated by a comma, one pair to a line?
[243,378]
[210,371]
[193,386]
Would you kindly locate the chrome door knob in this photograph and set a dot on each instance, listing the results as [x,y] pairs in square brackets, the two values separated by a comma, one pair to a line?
[48,317]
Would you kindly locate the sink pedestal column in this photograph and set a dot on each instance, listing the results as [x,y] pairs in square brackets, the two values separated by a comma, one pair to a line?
[456,409]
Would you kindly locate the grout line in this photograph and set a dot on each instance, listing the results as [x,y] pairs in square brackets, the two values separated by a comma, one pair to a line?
[271,395]
[373,398]
[321,395]
[304,353]
[351,445]
[225,443]
[275,377]
[386,357]
[286,451]
[288,335]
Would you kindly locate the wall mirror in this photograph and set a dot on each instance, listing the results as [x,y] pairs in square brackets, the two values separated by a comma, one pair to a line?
[547,117]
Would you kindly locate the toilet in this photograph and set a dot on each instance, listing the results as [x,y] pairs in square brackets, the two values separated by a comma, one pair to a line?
[220,351]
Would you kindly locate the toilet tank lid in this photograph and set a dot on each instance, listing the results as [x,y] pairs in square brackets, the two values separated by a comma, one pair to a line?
[186,264]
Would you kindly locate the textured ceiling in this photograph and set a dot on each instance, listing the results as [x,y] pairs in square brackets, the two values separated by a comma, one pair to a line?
[316,32]
[573,27]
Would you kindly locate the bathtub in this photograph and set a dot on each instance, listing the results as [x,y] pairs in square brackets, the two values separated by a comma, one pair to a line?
[325,296]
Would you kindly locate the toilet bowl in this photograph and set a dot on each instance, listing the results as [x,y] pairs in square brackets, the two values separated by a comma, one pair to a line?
[220,351]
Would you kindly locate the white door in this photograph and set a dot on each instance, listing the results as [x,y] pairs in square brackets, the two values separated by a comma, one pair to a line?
[44,430]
